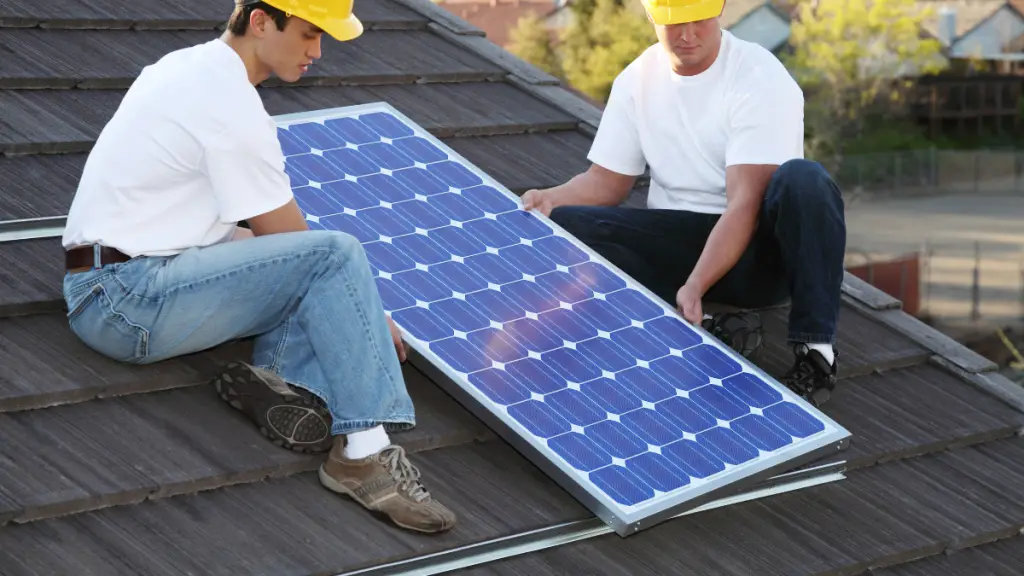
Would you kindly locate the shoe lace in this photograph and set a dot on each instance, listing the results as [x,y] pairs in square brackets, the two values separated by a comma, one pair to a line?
[405,474]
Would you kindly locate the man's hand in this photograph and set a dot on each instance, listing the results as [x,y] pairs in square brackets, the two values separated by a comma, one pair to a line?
[688,303]
[396,337]
[539,200]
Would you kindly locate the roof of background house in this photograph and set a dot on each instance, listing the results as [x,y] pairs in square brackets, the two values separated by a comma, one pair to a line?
[969,13]
[497,18]
[111,469]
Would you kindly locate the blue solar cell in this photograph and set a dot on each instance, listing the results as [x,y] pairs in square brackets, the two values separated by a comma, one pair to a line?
[350,225]
[316,135]
[489,199]
[385,257]
[493,268]
[316,168]
[530,296]
[497,345]
[560,251]
[393,296]
[460,315]
[527,260]
[640,343]
[456,207]
[605,354]
[290,143]
[422,285]
[422,249]
[580,452]
[575,407]
[386,156]
[454,174]
[386,125]
[565,286]
[539,418]
[611,396]
[600,376]
[597,277]
[352,162]
[457,241]
[386,222]
[635,305]
[459,277]
[496,306]
[490,233]
[424,324]
[352,131]
[314,203]
[499,386]
[349,194]
[622,485]
[525,224]
[420,181]
[420,150]
[387,188]
[420,214]
[532,334]
[536,376]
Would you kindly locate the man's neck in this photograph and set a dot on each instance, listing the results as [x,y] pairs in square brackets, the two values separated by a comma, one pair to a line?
[245,49]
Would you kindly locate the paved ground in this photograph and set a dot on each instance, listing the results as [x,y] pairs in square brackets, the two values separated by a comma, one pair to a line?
[949,226]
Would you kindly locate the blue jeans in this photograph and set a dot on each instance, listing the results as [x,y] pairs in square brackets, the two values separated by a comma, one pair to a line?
[797,250]
[308,298]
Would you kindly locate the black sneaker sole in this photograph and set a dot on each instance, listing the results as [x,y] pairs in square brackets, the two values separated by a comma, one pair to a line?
[297,421]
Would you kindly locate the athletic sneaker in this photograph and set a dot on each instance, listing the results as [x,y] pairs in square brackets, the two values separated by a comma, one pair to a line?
[386,483]
[811,375]
[741,331]
[289,416]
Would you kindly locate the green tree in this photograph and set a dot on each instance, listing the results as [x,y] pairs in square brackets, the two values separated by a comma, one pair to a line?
[855,58]
[532,42]
[603,38]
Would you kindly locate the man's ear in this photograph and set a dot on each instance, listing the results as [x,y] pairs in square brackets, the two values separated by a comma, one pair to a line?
[258,23]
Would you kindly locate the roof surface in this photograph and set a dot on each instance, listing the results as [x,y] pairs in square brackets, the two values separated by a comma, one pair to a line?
[113,469]
[497,18]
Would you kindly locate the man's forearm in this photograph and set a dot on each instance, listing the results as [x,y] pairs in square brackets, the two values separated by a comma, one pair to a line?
[728,240]
[589,189]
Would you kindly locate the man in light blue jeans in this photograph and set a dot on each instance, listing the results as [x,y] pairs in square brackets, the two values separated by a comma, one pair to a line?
[158,266]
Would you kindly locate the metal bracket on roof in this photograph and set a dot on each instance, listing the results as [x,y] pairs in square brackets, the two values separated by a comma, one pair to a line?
[32,228]
[574,531]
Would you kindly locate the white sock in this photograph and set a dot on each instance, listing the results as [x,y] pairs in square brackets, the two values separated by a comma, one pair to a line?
[366,443]
[825,350]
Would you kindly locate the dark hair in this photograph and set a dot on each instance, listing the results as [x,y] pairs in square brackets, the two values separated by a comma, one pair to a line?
[238,24]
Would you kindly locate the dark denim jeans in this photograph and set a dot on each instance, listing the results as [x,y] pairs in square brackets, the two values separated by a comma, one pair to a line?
[796,252]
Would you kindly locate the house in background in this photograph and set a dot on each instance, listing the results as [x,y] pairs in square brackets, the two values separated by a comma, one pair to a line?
[497,18]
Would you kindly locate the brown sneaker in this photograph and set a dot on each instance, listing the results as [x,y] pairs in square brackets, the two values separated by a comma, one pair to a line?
[388,483]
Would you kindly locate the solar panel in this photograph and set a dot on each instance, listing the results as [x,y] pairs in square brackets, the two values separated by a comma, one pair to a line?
[637,413]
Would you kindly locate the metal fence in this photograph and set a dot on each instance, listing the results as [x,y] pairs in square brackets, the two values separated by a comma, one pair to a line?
[930,171]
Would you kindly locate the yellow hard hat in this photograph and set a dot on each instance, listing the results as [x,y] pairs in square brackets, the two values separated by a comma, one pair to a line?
[665,12]
[334,17]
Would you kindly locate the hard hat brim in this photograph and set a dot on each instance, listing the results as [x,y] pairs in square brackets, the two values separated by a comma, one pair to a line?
[342,29]
[668,15]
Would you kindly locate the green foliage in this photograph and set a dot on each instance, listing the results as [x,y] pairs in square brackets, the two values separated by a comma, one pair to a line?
[604,37]
[855,57]
[531,41]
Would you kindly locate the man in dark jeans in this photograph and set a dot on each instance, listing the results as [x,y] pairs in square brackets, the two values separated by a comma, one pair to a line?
[735,214]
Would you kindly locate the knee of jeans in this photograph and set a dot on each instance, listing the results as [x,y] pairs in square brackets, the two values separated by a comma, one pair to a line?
[805,181]
[344,246]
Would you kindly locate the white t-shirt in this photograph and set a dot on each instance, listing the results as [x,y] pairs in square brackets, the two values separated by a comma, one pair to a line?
[190,152]
[744,109]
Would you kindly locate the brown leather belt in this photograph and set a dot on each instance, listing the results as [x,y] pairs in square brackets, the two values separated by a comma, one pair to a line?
[88,257]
